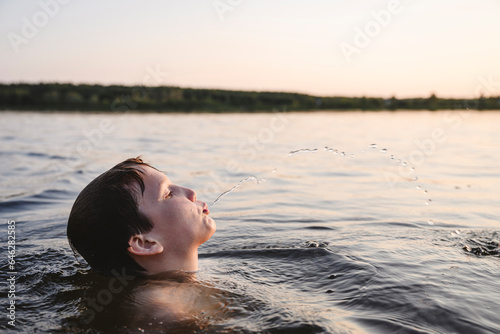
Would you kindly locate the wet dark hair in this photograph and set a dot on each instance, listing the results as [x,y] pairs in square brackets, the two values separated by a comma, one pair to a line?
[106,215]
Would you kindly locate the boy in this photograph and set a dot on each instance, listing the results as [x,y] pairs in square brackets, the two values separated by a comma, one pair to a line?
[133,219]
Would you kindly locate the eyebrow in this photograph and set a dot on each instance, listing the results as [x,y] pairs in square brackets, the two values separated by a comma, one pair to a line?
[161,185]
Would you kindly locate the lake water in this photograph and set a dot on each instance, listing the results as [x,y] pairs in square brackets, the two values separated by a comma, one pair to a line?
[383,223]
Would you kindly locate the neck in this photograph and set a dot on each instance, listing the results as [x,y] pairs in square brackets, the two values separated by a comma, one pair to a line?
[169,261]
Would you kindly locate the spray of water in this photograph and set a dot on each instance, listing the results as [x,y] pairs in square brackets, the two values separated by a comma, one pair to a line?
[373,146]
[303,150]
[334,151]
[250,178]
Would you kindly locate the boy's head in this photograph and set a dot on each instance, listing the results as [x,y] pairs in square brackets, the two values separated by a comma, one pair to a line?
[132,217]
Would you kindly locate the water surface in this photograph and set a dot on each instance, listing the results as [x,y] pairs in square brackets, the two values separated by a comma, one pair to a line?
[393,227]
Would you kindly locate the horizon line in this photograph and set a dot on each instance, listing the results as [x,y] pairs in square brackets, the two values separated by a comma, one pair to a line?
[239,90]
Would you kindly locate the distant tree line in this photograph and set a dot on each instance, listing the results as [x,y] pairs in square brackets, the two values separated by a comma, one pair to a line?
[68,97]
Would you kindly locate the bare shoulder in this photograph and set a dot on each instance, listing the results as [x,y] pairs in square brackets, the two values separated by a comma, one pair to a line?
[178,301]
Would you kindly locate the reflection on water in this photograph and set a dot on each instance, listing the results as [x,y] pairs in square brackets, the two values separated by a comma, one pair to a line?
[339,241]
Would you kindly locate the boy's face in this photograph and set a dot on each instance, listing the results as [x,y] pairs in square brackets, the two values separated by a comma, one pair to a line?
[180,222]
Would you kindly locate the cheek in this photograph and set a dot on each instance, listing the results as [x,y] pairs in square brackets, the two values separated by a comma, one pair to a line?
[181,216]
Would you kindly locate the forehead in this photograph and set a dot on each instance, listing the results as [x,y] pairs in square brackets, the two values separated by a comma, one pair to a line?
[154,181]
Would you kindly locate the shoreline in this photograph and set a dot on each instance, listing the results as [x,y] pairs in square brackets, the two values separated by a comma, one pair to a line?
[51,97]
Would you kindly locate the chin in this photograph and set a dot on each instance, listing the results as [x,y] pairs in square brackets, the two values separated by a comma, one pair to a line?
[213,227]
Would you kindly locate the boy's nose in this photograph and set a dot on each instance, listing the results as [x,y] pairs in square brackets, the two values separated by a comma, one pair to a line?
[191,194]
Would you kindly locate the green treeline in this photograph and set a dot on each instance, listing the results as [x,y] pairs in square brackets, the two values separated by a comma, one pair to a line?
[67,97]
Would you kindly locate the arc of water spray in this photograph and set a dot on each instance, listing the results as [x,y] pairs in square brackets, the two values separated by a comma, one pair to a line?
[314,150]
[372,146]
[303,150]
[251,177]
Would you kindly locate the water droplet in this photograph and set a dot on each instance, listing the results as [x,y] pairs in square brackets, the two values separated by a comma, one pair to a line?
[329,291]
[384,150]
[329,149]
[431,222]
[392,156]
[428,202]
[412,169]
[419,187]
[415,178]
[342,154]
[274,170]
[425,191]
[332,276]
[352,155]
[403,163]
[373,146]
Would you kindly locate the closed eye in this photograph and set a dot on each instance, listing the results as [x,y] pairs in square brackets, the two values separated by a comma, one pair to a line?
[168,195]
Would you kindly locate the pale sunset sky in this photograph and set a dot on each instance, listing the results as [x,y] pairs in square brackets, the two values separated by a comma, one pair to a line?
[322,47]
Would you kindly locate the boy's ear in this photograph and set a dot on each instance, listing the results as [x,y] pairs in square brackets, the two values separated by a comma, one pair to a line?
[141,245]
